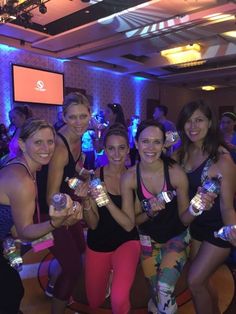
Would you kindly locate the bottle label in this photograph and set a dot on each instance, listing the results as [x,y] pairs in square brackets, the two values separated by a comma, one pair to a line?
[146,244]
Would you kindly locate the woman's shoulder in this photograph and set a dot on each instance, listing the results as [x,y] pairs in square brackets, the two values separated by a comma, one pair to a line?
[225,162]
[16,175]
[130,174]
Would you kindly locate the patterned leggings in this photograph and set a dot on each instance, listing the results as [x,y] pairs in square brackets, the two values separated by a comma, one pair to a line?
[162,265]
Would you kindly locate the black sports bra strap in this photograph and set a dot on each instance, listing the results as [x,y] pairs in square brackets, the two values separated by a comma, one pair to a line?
[167,177]
[139,187]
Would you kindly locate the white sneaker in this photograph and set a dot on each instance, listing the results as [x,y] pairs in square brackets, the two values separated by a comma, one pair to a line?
[152,307]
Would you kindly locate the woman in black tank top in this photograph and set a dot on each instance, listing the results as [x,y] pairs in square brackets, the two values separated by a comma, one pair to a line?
[115,249]
[67,162]
[164,238]
[203,154]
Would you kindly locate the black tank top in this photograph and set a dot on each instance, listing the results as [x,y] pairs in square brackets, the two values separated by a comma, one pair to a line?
[69,169]
[167,223]
[109,235]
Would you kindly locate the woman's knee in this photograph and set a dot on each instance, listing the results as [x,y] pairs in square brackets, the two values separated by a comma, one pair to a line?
[194,282]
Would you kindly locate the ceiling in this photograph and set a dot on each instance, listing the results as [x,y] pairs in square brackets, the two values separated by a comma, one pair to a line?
[127,36]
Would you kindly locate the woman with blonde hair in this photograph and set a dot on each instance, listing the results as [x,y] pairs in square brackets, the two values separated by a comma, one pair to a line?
[67,161]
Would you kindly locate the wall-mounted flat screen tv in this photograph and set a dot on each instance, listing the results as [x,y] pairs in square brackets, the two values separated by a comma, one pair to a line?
[31,85]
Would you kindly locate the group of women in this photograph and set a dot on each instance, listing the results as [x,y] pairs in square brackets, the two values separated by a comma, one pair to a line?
[121,230]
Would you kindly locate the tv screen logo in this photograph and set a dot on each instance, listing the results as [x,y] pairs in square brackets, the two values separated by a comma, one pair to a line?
[40,87]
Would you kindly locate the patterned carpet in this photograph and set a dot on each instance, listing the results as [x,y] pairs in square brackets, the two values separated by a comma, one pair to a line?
[35,276]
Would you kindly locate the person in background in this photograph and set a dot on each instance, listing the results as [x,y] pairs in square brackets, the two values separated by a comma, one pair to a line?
[162,226]
[112,247]
[18,115]
[88,149]
[67,161]
[4,140]
[227,126]
[60,122]
[160,114]
[18,197]
[132,130]
[113,114]
[203,155]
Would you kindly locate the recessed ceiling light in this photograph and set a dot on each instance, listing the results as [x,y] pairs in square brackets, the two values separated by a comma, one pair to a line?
[208,88]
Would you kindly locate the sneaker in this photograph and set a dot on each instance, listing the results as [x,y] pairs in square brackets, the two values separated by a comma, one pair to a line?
[49,290]
[152,309]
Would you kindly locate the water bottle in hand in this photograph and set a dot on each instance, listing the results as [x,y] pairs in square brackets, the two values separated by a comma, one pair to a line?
[73,183]
[59,201]
[12,254]
[172,136]
[223,233]
[102,198]
[209,185]
[162,198]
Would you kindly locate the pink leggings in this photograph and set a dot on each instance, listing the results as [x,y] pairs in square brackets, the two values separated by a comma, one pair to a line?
[123,261]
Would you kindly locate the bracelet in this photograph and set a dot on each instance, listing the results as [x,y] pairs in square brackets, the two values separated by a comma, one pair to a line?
[81,171]
[192,211]
[52,225]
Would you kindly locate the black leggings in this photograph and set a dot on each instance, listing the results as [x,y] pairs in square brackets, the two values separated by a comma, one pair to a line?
[11,288]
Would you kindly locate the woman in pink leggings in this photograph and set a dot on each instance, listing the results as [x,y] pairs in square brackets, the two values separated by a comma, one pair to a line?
[109,246]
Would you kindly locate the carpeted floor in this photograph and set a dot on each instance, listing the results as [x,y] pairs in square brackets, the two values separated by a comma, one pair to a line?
[35,275]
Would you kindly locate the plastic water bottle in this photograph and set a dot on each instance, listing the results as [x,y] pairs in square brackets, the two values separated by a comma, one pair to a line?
[223,233]
[172,136]
[102,199]
[209,185]
[73,183]
[59,201]
[12,254]
[163,198]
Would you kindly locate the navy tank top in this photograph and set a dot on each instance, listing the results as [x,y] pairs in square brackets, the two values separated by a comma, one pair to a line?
[203,226]
[6,219]
[109,235]
[166,224]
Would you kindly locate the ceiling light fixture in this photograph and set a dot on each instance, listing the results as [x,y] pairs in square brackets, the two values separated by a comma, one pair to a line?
[13,9]
[230,34]
[219,17]
[188,53]
[42,8]
[208,88]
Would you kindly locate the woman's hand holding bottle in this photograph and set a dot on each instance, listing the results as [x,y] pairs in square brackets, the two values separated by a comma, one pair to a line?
[98,192]
[64,211]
